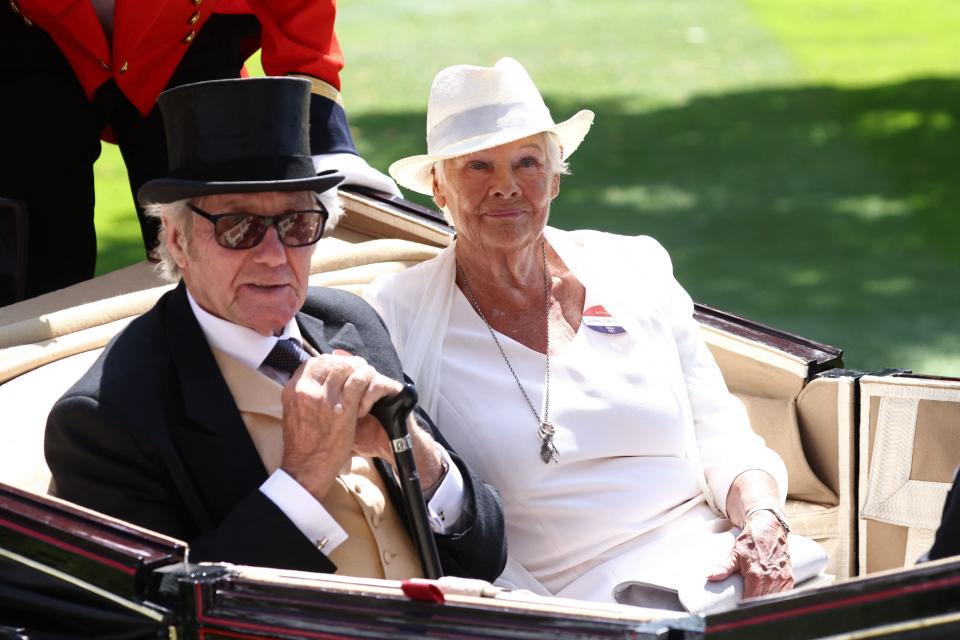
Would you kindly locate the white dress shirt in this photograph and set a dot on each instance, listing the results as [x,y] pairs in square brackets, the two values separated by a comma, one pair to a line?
[305,511]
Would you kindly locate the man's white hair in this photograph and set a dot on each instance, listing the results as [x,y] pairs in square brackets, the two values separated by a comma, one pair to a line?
[555,164]
[179,216]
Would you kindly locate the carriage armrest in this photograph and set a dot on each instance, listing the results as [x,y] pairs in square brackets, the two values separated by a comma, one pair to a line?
[806,420]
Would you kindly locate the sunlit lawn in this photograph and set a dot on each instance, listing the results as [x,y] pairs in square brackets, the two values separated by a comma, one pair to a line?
[799,159]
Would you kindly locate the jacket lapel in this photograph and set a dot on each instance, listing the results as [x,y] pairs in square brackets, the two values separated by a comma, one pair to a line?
[318,334]
[212,440]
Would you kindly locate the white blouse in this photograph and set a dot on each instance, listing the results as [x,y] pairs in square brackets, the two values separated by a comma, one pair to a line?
[649,438]
[618,432]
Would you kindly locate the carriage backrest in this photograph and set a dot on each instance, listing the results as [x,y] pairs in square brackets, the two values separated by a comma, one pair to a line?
[48,342]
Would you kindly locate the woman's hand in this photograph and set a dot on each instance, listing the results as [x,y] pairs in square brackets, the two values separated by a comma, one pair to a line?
[760,554]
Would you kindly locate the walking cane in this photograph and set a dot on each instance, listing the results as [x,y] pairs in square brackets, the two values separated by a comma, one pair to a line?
[392,412]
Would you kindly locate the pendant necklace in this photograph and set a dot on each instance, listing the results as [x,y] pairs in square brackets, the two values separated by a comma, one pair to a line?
[545,428]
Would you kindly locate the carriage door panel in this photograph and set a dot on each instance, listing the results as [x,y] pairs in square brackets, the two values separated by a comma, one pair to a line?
[909,452]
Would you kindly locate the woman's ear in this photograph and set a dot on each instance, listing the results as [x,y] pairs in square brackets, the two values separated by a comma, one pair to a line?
[438,198]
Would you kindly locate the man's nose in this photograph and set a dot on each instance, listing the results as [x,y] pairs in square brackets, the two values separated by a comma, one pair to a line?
[270,250]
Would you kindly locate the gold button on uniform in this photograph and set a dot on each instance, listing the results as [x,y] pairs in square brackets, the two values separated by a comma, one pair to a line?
[197,2]
[187,39]
[123,67]
[16,9]
[194,18]
[388,556]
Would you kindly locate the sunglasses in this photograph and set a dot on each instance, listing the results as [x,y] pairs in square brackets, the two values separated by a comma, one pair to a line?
[247,230]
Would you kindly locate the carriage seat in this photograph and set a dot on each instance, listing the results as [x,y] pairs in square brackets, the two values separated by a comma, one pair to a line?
[44,348]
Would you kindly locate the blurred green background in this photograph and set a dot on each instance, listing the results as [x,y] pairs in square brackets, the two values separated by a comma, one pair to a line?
[800,159]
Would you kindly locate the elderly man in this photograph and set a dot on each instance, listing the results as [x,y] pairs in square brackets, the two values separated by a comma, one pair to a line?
[199,420]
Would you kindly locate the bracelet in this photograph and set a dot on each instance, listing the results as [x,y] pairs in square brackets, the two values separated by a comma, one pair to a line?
[776,513]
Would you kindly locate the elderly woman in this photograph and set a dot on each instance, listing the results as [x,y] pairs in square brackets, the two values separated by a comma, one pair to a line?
[567,369]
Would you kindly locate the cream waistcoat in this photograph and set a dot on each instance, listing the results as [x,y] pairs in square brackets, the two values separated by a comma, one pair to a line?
[378,545]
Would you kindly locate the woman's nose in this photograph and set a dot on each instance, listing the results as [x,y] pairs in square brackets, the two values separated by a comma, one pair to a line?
[505,183]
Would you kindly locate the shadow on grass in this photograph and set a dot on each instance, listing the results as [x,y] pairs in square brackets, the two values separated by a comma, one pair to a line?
[828,212]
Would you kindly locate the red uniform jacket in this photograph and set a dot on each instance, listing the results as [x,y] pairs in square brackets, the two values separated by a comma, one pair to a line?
[151,36]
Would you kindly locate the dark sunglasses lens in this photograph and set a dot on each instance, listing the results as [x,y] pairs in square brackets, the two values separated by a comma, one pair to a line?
[300,228]
[240,231]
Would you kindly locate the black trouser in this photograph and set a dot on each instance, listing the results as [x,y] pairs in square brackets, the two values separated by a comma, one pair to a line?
[50,134]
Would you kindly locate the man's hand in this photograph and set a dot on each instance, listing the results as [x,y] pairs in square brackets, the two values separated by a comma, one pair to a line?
[371,439]
[760,554]
[321,404]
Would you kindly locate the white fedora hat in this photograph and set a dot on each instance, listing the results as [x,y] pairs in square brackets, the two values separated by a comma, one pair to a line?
[473,108]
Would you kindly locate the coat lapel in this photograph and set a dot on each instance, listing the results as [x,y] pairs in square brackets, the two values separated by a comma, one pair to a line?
[318,334]
[212,439]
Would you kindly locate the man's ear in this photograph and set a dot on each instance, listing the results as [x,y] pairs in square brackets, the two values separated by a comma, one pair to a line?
[176,241]
[555,188]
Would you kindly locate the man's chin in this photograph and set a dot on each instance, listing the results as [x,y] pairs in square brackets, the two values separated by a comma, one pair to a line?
[266,309]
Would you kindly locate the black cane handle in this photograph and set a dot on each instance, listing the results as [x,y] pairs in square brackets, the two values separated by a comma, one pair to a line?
[392,412]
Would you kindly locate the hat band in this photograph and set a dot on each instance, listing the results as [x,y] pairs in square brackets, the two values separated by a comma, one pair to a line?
[486,120]
[248,169]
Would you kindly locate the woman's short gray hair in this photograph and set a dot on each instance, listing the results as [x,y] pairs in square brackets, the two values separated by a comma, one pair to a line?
[177,215]
[555,164]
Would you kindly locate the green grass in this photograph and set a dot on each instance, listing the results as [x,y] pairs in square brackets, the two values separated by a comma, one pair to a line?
[799,158]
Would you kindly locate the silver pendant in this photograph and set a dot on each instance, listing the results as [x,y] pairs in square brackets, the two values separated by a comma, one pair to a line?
[548,451]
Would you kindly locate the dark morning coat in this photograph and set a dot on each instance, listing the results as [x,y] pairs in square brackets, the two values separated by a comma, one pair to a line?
[151,435]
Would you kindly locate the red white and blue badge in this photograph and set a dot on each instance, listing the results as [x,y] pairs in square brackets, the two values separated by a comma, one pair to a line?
[599,319]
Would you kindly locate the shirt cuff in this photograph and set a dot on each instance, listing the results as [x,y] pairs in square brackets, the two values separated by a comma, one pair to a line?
[446,505]
[304,511]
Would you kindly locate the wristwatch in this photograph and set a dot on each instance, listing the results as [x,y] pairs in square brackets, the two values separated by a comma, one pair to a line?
[776,513]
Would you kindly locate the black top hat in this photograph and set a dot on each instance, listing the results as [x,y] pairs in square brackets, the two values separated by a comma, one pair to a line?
[237,136]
